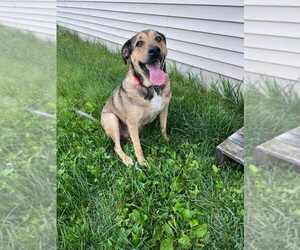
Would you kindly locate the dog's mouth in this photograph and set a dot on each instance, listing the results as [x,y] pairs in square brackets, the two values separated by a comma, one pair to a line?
[154,70]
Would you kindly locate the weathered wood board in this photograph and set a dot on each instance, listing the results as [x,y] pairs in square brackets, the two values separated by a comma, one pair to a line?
[283,148]
[232,148]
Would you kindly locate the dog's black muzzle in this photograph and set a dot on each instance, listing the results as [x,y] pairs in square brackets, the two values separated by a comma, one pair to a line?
[154,57]
[154,54]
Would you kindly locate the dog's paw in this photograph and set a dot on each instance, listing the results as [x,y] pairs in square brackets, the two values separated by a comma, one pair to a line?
[127,161]
[143,162]
[166,137]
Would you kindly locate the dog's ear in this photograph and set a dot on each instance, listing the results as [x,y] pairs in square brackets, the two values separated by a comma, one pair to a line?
[127,50]
[163,37]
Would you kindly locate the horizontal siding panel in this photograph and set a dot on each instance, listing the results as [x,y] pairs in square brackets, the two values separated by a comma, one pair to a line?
[86,31]
[271,13]
[179,2]
[194,49]
[112,46]
[273,28]
[33,11]
[32,24]
[272,38]
[212,40]
[32,28]
[273,43]
[273,56]
[205,76]
[201,34]
[274,70]
[31,1]
[36,16]
[29,4]
[206,52]
[272,2]
[192,60]
[204,26]
[28,17]
[210,65]
[221,13]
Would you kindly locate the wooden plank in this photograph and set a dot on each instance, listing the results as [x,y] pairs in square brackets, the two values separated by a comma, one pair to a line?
[283,148]
[232,148]
[295,131]
[238,138]
[290,139]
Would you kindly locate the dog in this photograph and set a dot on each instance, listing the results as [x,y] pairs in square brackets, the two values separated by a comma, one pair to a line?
[144,94]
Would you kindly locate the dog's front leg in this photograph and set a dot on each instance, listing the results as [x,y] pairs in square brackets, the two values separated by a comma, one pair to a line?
[134,135]
[163,117]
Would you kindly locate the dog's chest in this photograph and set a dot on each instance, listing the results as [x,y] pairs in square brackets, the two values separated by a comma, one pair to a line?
[156,106]
[156,103]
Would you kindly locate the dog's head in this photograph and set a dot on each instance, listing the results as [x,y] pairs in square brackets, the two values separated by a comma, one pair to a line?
[146,53]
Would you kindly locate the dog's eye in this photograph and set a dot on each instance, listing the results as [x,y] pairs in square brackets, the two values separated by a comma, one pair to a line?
[158,39]
[139,44]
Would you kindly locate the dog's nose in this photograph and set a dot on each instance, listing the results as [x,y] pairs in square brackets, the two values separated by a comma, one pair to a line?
[154,51]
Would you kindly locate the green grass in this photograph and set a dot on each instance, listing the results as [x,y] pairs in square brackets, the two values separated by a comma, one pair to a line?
[27,142]
[183,199]
[278,112]
[272,194]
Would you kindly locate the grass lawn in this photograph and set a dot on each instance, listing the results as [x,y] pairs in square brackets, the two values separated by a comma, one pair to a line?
[27,142]
[272,194]
[182,200]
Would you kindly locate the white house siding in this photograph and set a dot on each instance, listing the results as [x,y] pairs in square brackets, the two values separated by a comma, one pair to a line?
[36,16]
[272,39]
[202,34]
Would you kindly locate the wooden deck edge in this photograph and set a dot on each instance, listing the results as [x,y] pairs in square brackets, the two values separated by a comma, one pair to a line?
[231,149]
[282,149]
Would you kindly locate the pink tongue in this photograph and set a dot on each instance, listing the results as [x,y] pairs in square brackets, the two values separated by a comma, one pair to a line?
[157,76]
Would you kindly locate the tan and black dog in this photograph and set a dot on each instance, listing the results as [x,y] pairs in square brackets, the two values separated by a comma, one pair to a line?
[143,95]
